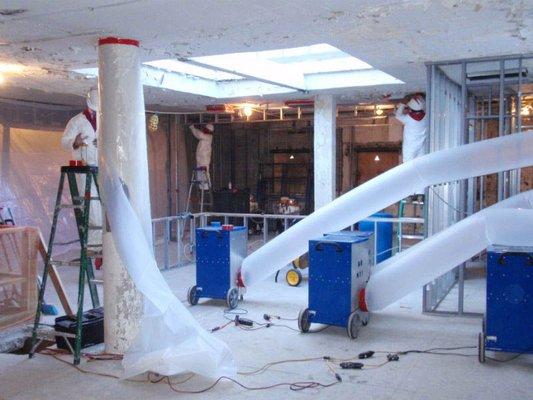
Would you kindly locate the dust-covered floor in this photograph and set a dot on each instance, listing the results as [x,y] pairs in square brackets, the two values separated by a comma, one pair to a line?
[399,327]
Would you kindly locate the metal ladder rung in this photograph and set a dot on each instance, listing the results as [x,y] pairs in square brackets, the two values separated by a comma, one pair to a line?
[94,253]
[97,281]
[82,198]
[78,206]
[65,263]
[95,228]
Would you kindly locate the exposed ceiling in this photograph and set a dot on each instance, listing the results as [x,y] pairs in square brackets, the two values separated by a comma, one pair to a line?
[53,37]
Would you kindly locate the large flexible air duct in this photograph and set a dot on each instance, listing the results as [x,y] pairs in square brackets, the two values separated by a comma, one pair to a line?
[480,158]
[507,223]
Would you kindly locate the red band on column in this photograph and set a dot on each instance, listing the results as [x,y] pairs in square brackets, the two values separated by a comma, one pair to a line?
[116,40]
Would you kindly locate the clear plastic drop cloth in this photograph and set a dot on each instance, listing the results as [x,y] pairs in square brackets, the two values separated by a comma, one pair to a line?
[30,163]
[170,340]
[480,158]
[508,223]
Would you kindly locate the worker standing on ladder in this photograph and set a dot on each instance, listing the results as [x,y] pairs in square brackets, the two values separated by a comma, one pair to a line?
[203,150]
[413,117]
[81,139]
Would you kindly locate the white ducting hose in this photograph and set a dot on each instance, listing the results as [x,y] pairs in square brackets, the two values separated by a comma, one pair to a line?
[508,223]
[480,158]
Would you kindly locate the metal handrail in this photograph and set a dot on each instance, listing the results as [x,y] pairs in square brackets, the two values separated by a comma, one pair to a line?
[200,220]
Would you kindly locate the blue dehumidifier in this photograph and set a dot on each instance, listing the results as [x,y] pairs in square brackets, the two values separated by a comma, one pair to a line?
[339,268]
[508,322]
[220,250]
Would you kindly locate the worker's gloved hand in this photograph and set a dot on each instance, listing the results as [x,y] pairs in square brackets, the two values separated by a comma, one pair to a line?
[78,142]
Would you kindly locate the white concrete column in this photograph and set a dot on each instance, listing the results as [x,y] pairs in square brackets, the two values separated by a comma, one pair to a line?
[324,149]
[123,152]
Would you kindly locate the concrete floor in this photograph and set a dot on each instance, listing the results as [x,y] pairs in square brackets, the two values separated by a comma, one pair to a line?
[399,327]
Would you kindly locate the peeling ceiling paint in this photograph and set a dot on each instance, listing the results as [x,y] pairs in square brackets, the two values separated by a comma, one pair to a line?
[398,37]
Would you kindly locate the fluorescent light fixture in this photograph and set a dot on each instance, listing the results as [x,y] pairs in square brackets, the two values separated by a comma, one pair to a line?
[259,73]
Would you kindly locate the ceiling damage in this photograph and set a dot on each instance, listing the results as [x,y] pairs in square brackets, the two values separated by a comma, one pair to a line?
[49,39]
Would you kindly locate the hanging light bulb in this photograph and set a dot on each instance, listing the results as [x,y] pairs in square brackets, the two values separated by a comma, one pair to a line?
[376,158]
[248,110]
[153,123]
[291,157]
[379,111]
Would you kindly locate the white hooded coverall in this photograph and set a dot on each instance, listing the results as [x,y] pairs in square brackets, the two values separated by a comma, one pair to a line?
[203,151]
[414,134]
[88,153]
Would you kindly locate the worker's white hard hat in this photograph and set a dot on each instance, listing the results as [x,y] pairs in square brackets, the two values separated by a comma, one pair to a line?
[417,103]
[92,99]
[210,127]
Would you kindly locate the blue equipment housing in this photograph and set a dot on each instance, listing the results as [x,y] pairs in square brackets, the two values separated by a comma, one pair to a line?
[339,268]
[384,235]
[508,323]
[219,256]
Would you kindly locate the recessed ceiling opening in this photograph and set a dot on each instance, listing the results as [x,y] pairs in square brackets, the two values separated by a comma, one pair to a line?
[257,73]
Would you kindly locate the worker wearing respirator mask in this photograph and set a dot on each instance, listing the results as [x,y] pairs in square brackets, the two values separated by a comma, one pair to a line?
[81,139]
[413,117]
[203,149]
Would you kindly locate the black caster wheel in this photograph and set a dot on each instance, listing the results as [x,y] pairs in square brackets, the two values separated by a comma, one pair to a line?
[232,298]
[192,296]
[365,317]
[354,322]
[293,277]
[481,348]
[304,322]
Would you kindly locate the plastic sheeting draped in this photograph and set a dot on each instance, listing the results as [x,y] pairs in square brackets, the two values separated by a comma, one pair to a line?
[481,158]
[29,175]
[170,340]
[508,223]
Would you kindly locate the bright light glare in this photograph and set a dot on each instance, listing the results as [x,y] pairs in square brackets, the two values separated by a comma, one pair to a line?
[248,110]
[2,79]
[376,158]
[11,68]
[319,58]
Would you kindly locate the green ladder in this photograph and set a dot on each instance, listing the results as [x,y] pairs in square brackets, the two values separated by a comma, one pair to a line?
[81,207]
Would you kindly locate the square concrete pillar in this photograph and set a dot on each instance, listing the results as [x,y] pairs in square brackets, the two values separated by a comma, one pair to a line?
[325,144]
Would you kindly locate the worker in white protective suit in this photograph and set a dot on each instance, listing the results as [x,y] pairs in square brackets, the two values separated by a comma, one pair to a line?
[413,117]
[203,152]
[81,139]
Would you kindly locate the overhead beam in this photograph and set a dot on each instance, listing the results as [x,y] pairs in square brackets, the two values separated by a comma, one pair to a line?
[151,76]
[256,69]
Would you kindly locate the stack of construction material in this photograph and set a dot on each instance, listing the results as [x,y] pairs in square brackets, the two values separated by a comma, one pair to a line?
[19,248]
